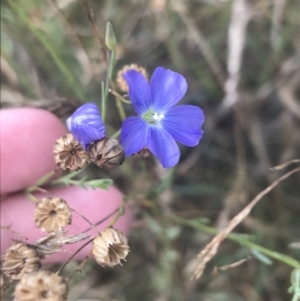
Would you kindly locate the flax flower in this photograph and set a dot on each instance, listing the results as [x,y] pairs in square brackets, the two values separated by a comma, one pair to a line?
[159,123]
[86,125]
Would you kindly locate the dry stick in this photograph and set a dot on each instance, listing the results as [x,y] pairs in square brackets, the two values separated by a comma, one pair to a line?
[103,220]
[7,228]
[73,255]
[284,165]
[118,96]
[237,31]
[89,222]
[202,43]
[211,249]
[231,266]
[80,267]
[73,33]
[90,17]
[277,17]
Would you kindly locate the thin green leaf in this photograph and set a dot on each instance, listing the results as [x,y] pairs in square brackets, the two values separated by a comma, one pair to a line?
[71,80]
[261,257]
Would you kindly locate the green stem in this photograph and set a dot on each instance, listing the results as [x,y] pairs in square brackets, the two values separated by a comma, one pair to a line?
[30,196]
[40,182]
[120,109]
[295,288]
[109,81]
[120,212]
[116,134]
[73,84]
[64,178]
[103,102]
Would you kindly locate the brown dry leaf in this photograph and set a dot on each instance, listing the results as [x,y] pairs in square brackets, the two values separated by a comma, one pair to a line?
[53,242]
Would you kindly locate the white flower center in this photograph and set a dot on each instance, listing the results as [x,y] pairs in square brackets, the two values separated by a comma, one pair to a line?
[158,117]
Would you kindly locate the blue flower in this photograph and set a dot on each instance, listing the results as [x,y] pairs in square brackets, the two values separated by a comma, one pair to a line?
[86,125]
[158,123]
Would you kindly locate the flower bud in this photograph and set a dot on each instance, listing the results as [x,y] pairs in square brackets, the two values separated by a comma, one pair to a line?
[69,154]
[52,214]
[107,153]
[20,259]
[42,285]
[110,38]
[110,247]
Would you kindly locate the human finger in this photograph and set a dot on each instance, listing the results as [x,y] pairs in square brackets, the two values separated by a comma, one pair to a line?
[27,137]
[17,212]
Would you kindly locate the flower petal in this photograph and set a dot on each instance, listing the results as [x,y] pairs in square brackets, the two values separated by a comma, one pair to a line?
[134,135]
[86,124]
[139,91]
[164,147]
[184,124]
[167,88]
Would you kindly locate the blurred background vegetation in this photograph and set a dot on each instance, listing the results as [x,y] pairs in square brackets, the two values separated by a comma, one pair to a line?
[241,60]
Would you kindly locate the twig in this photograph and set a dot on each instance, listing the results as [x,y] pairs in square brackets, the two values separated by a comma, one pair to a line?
[83,57]
[277,16]
[284,165]
[90,223]
[232,265]
[240,17]
[80,267]
[103,220]
[211,249]
[7,228]
[201,41]
[118,96]
[90,17]
[73,255]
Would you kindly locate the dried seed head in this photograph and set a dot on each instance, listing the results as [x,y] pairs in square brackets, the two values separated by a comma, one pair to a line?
[143,153]
[41,286]
[4,283]
[69,154]
[110,247]
[52,214]
[107,153]
[20,259]
[122,82]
